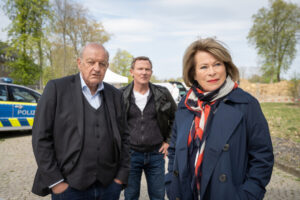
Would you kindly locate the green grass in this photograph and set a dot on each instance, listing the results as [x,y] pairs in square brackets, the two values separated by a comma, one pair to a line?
[283,119]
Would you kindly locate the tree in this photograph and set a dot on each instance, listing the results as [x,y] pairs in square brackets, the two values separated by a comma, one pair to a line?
[40,15]
[71,30]
[4,58]
[59,23]
[274,36]
[25,33]
[179,79]
[255,78]
[81,29]
[25,71]
[121,63]
[154,79]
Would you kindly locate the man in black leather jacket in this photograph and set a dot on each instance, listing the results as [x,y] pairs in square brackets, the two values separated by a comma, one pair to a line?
[150,111]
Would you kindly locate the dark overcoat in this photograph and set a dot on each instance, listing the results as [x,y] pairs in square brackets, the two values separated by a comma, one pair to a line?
[238,157]
[58,131]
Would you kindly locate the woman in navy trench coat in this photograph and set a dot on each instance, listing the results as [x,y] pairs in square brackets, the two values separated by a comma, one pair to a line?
[220,147]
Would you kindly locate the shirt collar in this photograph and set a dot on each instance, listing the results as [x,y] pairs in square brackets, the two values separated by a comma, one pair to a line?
[85,87]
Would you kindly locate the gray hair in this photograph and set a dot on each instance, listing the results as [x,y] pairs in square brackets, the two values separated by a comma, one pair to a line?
[92,44]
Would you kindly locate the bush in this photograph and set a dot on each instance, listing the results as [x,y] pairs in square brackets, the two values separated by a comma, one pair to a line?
[294,88]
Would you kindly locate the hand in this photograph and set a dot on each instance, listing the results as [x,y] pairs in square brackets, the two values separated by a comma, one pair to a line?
[60,188]
[164,149]
[118,181]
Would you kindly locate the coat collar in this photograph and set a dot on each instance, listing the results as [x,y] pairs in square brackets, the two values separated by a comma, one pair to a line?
[128,90]
[154,90]
[236,96]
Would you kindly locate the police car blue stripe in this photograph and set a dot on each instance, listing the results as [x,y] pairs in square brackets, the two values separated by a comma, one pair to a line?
[24,122]
[5,122]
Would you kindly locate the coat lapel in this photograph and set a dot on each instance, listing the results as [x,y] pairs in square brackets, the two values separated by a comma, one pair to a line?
[78,103]
[109,101]
[182,139]
[157,96]
[223,124]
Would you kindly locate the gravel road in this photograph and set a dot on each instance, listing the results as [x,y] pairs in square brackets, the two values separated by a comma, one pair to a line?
[17,168]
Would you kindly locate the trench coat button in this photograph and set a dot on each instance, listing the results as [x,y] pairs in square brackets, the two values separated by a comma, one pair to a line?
[226,147]
[222,178]
[175,173]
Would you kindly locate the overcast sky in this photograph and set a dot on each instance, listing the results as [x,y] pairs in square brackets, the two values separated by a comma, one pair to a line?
[162,29]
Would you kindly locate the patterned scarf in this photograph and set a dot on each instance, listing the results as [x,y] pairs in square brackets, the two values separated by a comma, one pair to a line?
[201,103]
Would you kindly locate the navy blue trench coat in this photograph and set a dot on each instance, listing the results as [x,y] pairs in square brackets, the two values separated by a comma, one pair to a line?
[238,157]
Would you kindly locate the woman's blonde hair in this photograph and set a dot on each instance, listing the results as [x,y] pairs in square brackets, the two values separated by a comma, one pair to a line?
[213,47]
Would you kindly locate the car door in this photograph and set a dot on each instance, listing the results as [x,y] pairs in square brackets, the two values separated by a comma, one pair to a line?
[24,105]
[6,108]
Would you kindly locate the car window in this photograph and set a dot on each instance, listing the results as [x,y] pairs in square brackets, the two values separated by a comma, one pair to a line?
[3,93]
[22,95]
[37,96]
[179,86]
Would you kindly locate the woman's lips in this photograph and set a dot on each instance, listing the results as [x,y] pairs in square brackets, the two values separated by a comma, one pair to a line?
[213,81]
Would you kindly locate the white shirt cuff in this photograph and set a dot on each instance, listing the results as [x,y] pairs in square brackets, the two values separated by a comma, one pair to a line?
[51,186]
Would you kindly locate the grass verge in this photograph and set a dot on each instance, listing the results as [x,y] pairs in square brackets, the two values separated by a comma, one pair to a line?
[283,119]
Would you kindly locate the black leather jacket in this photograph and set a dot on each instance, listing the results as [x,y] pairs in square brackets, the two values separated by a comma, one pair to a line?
[165,107]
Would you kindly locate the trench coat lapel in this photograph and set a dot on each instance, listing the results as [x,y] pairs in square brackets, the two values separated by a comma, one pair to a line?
[224,123]
[78,102]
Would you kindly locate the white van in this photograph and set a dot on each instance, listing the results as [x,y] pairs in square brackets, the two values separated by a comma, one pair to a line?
[173,89]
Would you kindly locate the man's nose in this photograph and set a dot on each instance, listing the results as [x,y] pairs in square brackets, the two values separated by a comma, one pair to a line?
[97,66]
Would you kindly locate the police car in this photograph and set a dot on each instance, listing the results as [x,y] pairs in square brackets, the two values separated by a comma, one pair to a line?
[17,106]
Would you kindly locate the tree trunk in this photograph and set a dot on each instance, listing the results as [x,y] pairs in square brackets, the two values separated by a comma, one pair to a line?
[40,64]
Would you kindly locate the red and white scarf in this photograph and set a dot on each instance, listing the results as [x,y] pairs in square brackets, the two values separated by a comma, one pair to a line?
[201,103]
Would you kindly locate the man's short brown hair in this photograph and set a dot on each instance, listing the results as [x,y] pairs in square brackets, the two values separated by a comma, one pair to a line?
[140,58]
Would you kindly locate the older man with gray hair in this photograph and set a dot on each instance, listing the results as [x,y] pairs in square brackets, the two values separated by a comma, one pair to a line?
[80,134]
